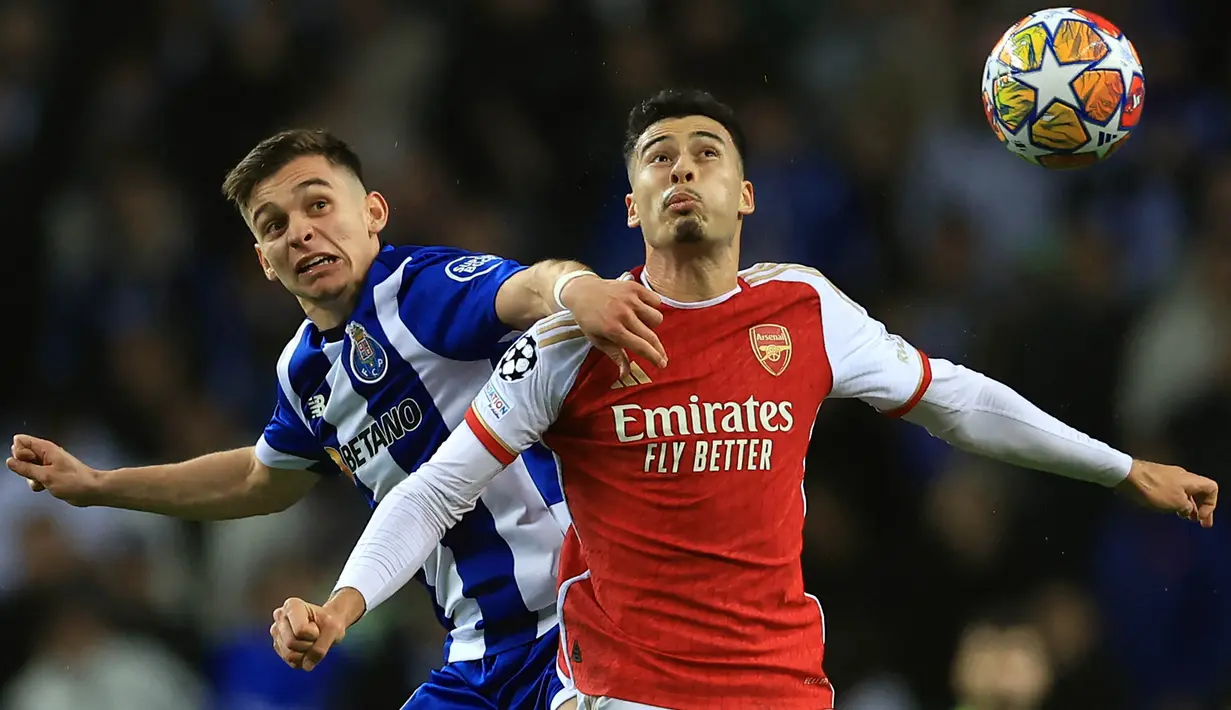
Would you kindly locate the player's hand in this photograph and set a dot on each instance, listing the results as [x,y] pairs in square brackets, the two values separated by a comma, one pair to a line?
[617,316]
[1172,489]
[303,633]
[47,466]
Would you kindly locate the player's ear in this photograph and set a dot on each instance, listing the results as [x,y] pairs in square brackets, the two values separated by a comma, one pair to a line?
[747,199]
[634,219]
[377,210]
[265,265]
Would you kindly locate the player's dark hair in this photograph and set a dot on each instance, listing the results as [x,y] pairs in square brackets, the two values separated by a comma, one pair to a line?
[272,154]
[674,103]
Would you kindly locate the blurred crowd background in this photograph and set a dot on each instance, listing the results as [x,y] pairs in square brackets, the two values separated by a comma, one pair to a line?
[140,329]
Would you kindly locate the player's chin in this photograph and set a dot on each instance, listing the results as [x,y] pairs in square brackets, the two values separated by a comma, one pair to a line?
[688,229]
[321,287]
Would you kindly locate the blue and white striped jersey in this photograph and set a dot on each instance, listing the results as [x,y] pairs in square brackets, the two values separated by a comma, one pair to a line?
[375,398]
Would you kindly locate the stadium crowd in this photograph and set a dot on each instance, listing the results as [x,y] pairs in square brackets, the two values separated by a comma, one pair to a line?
[141,329]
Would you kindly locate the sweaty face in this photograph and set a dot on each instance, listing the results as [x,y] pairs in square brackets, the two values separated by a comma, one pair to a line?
[316,229]
[687,183]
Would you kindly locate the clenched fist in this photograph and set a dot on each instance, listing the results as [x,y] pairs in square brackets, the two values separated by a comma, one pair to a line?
[303,632]
[47,466]
[1172,489]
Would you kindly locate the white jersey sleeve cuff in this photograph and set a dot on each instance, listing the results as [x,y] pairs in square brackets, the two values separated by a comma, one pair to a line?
[980,415]
[274,458]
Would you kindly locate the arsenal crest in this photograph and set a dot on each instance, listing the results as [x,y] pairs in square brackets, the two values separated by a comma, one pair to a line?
[367,357]
[771,344]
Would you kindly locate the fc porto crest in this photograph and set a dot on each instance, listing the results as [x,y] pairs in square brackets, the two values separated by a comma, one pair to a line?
[367,357]
[771,343]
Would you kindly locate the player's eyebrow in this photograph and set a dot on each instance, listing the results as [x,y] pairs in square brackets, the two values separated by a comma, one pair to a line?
[695,134]
[708,134]
[310,182]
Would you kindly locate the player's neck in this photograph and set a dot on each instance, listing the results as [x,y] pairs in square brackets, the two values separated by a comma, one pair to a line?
[683,274]
[333,313]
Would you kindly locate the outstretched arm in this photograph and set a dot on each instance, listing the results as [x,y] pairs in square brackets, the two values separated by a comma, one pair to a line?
[975,413]
[218,486]
[980,415]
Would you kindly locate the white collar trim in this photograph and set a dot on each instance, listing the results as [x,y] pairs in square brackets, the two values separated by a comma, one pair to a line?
[645,281]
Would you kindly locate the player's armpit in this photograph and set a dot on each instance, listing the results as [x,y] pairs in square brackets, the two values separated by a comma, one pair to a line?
[978,414]
[413,517]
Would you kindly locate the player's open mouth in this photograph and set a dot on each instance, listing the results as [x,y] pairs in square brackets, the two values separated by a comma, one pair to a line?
[315,263]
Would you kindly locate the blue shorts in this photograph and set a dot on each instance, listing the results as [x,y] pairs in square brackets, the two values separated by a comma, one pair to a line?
[522,678]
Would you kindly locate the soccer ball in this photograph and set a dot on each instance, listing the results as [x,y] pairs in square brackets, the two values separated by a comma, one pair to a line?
[1063,88]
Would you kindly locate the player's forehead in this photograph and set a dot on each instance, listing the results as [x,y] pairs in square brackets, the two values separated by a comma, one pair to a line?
[304,170]
[683,129]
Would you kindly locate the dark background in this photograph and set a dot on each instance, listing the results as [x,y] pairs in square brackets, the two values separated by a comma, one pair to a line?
[139,328]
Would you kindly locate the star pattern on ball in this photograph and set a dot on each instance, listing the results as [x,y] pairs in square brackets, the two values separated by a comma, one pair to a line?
[1052,80]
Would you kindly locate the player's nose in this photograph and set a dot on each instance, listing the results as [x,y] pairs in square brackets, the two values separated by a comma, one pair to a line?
[683,172]
[299,231]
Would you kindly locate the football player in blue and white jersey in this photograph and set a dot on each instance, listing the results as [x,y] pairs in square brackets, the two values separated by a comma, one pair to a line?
[396,344]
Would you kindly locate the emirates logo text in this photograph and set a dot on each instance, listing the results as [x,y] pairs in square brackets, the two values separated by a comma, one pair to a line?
[634,423]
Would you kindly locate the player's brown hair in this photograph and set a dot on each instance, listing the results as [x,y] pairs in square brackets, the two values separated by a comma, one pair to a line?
[674,103]
[272,154]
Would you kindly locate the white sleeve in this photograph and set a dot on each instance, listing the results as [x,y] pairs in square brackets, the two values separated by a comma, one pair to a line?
[964,408]
[868,362]
[519,402]
[978,414]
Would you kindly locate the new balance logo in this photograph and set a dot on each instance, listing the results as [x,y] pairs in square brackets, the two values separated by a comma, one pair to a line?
[575,656]
[634,378]
[316,406]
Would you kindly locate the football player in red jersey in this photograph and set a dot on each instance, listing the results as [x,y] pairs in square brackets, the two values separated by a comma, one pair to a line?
[680,577]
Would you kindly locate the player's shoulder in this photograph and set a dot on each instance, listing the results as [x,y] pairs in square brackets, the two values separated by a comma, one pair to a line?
[299,340]
[457,264]
[299,347]
[770,272]
[808,280]
[554,343]
[559,333]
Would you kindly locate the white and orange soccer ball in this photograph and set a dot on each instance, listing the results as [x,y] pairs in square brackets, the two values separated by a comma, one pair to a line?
[1063,88]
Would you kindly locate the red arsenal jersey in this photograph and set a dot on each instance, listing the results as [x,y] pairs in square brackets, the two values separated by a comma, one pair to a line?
[680,580]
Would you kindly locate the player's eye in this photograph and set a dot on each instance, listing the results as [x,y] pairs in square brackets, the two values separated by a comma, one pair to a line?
[273,225]
[319,205]
[710,153]
[658,157]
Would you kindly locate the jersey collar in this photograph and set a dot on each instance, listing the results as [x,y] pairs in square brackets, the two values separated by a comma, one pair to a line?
[639,274]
